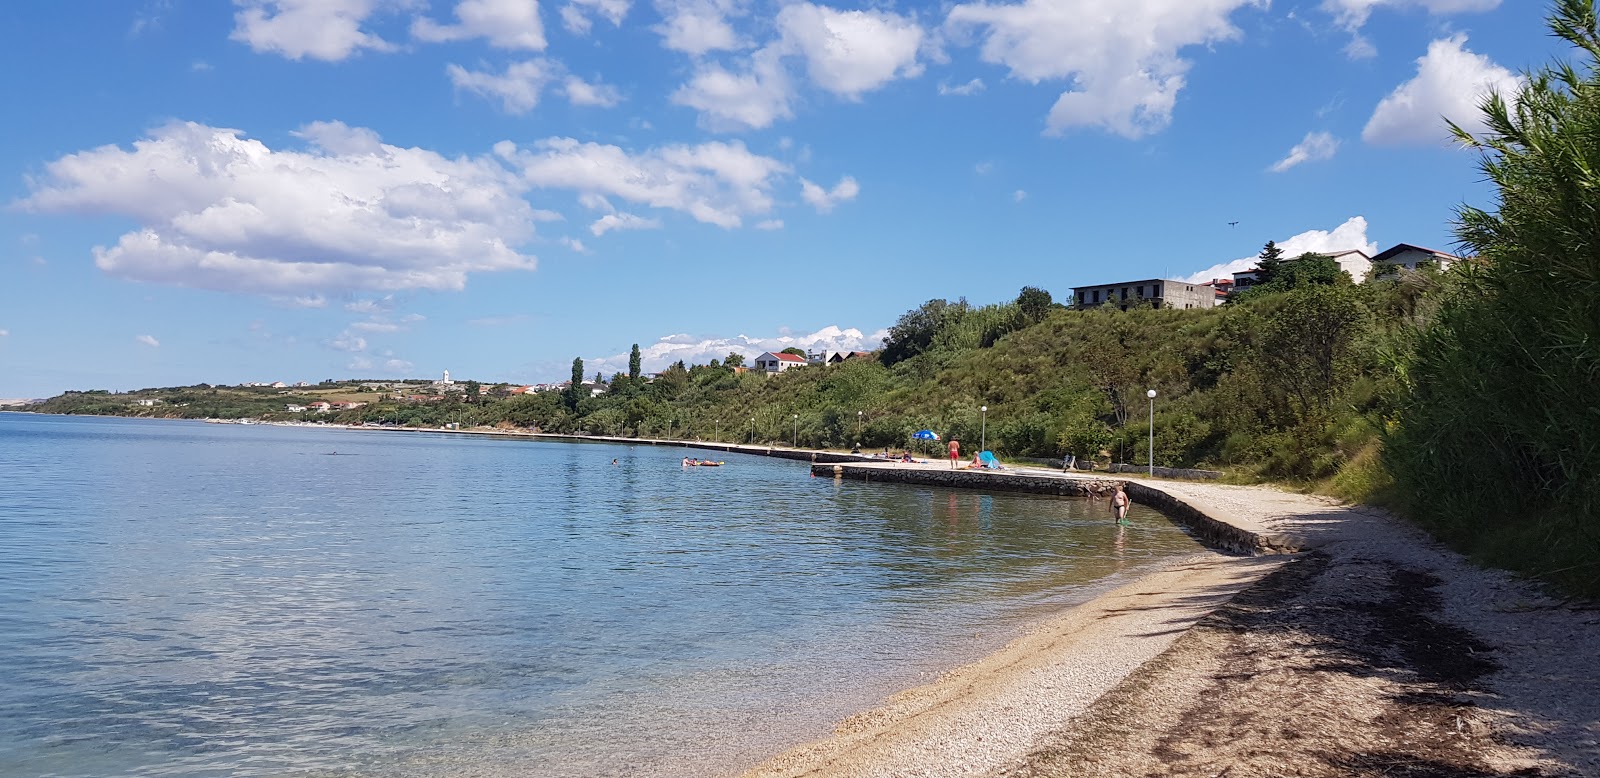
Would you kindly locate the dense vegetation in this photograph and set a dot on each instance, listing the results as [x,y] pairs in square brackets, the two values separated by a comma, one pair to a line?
[1497,441]
[1467,399]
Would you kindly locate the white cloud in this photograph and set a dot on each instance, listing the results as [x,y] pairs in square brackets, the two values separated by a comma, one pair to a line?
[147,340]
[517,89]
[1449,84]
[850,53]
[348,341]
[5,333]
[328,30]
[380,305]
[580,92]
[770,224]
[575,14]
[1350,235]
[752,99]
[507,24]
[696,27]
[824,200]
[717,183]
[221,211]
[622,221]
[377,326]
[1019,196]
[983,168]
[1353,14]
[846,53]
[397,366]
[701,350]
[574,244]
[1316,146]
[303,301]
[1121,57]
[970,88]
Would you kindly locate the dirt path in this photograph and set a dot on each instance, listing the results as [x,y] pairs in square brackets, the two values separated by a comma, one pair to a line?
[1379,654]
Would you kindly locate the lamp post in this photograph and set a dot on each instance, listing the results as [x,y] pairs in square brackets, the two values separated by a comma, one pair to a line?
[859,414]
[1151,456]
[983,427]
[797,430]
[718,433]
[752,429]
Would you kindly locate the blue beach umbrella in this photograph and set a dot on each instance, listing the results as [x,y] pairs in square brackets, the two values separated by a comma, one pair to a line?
[925,435]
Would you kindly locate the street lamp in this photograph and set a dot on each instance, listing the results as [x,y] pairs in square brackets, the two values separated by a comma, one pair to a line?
[752,429]
[858,426]
[1152,454]
[983,433]
[718,433]
[797,430]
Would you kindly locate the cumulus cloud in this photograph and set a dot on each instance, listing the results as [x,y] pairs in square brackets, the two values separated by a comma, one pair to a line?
[1449,84]
[506,24]
[581,92]
[970,88]
[1019,195]
[849,53]
[221,211]
[753,98]
[701,350]
[1316,146]
[5,333]
[622,221]
[1350,235]
[1123,65]
[717,183]
[846,53]
[825,199]
[517,89]
[575,14]
[147,340]
[696,27]
[329,30]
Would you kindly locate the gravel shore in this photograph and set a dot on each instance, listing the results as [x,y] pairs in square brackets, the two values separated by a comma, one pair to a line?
[1380,653]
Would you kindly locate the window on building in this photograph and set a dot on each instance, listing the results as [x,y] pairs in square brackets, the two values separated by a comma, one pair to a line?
[1155,291]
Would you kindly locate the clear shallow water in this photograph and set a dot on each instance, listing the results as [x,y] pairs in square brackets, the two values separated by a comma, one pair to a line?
[196,599]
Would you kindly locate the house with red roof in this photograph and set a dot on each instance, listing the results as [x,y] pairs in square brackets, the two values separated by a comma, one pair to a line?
[777,363]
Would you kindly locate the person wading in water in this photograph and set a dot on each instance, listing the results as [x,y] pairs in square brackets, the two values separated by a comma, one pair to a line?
[1119,505]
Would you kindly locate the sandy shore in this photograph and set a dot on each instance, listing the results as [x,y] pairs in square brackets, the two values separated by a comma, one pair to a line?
[1379,653]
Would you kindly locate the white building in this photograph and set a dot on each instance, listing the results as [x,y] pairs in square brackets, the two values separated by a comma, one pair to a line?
[1409,257]
[777,363]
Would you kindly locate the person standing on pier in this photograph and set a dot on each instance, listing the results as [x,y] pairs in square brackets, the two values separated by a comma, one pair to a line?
[955,452]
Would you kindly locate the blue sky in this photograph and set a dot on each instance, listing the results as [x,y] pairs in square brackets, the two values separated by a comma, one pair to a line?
[201,191]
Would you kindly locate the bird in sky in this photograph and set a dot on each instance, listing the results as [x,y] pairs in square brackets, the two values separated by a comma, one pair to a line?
[1233,224]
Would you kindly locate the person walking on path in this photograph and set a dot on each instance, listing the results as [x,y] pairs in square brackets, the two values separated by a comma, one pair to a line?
[1119,505]
[955,452]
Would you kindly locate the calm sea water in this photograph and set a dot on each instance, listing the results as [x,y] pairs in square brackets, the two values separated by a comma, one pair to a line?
[194,599]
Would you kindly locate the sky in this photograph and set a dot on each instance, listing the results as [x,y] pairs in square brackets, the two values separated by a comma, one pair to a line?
[284,190]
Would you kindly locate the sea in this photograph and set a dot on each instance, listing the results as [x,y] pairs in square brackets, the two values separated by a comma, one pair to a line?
[180,598]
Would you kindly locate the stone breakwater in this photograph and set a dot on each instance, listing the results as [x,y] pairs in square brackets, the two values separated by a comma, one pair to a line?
[1212,526]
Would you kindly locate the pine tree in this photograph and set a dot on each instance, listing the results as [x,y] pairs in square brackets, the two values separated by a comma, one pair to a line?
[1268,263]
[634,365]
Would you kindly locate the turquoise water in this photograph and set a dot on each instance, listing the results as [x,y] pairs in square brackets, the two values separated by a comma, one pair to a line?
[181,598]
